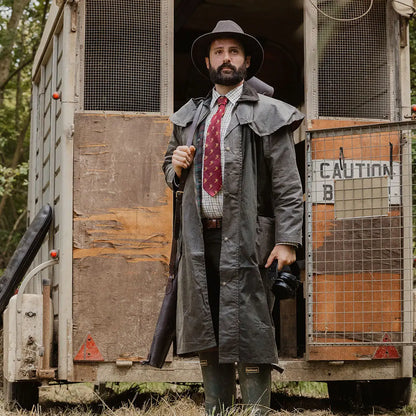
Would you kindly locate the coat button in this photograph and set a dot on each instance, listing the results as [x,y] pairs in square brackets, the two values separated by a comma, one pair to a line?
[225,238]
[227,148]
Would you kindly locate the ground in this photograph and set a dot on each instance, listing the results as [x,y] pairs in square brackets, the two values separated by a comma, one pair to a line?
[308,399]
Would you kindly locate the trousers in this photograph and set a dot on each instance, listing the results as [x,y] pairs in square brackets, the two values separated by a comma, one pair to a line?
[220,379]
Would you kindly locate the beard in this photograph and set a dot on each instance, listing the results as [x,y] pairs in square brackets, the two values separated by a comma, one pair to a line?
[235,77]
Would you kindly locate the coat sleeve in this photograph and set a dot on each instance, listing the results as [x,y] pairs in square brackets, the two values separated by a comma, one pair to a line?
[170,176]
[181,119]
[287,194]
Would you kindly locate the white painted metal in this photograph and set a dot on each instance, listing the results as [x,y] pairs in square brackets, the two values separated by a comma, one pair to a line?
[167,48]
[407,196]
[311,61]
[64,243]
[21,342]
[405,8]
[51,163]
[393,53]
[407,184]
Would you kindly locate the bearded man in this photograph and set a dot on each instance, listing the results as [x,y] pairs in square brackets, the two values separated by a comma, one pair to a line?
[242,208]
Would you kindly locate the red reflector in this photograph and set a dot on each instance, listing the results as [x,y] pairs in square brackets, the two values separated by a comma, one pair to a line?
[386,352]
[89,351]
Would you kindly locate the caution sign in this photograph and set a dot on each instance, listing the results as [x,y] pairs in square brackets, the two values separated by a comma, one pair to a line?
[326,171]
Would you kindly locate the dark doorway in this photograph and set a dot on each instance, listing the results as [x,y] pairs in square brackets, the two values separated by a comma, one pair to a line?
[277,25]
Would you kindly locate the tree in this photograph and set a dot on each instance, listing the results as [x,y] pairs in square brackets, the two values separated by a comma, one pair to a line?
[21,26]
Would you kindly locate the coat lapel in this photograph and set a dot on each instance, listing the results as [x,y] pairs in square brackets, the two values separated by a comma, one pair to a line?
[243,113]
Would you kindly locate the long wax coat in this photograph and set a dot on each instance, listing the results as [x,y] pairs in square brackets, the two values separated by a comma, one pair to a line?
[262,205]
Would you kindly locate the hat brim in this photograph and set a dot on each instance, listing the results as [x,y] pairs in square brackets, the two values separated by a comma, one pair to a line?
[252,47]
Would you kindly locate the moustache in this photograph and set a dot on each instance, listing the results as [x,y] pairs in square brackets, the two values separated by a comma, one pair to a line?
[228,66]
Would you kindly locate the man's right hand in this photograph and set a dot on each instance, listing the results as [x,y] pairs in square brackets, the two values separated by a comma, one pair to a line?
[182,158]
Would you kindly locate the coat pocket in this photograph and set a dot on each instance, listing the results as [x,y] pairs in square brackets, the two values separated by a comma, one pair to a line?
[264,238]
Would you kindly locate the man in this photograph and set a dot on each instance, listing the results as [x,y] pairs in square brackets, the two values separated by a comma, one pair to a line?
[242,209]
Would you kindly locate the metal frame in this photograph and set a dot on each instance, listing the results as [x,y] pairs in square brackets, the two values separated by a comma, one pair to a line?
[60,23]
[64,269]
[311,65]
[393,47]
[166,57]
[310,20]
[407,290]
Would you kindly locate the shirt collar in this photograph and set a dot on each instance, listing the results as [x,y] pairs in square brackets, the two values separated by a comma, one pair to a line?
[233,95]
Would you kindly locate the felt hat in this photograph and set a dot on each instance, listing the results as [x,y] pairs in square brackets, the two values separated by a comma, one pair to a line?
[227,28]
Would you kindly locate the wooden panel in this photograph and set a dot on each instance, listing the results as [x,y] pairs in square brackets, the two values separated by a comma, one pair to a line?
[341,353]
[122,231]
[357,244]
[318,124]
[288,328]
[361,147]
[359,303]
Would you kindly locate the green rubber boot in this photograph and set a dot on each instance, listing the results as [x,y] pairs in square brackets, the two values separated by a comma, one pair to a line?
[255,385]
[219,383]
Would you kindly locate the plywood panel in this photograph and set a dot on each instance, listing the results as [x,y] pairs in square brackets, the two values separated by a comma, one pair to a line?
[357,303]
[122,231]
[341,353]
[358,147]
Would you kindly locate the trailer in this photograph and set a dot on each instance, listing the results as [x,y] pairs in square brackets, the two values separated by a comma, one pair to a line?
[106,77]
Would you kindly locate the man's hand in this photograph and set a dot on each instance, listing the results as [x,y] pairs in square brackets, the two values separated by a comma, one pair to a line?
[182,158]
[284,254]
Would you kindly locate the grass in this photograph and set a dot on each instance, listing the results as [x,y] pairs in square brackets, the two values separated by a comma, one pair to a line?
[162,399]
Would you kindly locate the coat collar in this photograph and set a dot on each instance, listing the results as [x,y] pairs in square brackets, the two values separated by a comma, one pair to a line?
[244,110]
[185,114]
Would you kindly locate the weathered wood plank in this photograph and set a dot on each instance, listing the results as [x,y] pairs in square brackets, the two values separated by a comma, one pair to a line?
[122,230]
[288,328]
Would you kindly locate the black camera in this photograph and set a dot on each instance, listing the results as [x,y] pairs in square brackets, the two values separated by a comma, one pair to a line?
[284,282]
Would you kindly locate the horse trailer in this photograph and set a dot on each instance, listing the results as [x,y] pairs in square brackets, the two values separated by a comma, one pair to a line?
[106,77]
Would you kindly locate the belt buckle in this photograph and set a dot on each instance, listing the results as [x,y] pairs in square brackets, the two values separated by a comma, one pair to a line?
[211,223]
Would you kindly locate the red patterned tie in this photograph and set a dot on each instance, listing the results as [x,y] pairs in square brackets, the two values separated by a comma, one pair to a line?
[212,159]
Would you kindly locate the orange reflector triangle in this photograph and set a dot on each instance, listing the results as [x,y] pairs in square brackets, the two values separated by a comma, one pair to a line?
[385,352]
[89,351]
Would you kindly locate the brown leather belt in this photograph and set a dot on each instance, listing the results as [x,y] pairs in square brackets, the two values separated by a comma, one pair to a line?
[210,223]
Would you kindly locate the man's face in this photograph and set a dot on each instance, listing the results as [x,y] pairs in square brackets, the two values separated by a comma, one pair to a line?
[227,63]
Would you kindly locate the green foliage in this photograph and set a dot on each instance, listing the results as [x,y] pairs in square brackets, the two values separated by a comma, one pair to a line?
[17,50]
[9,178]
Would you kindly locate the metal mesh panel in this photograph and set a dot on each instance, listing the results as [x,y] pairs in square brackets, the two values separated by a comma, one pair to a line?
[353,75]
[359,234]
[122,55]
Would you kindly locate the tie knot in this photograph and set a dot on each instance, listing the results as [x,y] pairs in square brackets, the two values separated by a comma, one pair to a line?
[222,100]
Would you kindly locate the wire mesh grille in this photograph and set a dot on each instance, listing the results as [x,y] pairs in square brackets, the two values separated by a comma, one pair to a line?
[353,75]
[122,55]
[359,257]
